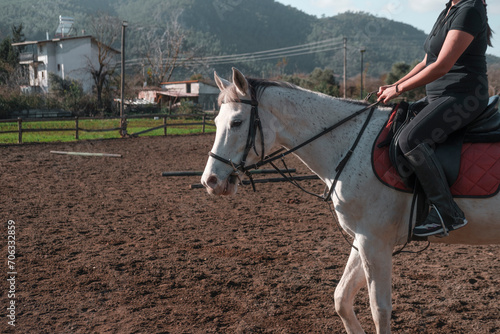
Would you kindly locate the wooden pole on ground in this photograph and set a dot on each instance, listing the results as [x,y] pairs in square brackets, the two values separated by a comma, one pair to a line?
[88,154]
[199,173]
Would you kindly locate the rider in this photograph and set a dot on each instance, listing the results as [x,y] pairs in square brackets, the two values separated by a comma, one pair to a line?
[454,72]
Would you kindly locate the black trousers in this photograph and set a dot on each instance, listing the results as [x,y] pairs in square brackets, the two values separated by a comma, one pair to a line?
[442,116]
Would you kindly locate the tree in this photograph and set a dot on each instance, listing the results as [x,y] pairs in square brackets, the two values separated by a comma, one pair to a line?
[281,65]
[18,35]
[106,30]
[324,81]
[166,51]
[5,55]
[319,80]
[69,93]
[9,55]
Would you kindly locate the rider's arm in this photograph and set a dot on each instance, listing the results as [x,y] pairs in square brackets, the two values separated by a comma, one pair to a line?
[455,44]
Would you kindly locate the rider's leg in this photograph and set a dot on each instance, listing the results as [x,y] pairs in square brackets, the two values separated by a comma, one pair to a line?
[432,126]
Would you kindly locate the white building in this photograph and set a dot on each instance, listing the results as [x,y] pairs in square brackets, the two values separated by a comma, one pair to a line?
[67,57]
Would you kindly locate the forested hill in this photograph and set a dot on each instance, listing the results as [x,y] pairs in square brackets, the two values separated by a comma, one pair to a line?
[225,27]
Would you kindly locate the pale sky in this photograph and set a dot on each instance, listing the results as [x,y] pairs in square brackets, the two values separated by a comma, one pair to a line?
[419,13]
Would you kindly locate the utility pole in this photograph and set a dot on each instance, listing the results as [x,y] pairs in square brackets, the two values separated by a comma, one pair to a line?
[123,123]
[345,67]
[362,51]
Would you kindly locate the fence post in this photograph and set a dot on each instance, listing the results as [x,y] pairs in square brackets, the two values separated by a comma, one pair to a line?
[123,126]
[165,125]
[20,130]
[204,120]
[76,128]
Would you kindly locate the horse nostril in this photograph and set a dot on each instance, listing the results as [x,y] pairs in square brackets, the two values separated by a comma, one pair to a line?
[212,181]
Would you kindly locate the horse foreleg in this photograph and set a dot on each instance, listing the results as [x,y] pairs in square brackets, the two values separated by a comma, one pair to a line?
[352,280]
[376,257]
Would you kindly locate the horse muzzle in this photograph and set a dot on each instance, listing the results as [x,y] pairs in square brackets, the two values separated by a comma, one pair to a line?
[218,187]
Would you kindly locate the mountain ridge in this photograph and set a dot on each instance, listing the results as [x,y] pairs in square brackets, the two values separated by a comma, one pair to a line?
[234,27]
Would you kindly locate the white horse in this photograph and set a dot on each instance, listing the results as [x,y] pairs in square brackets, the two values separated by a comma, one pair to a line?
[375,215]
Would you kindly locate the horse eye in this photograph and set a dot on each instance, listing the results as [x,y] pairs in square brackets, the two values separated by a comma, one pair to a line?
[236,123]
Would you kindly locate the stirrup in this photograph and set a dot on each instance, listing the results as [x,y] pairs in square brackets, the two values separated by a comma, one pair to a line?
[445,232]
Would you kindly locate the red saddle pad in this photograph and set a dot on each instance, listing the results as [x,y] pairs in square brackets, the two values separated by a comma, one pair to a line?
[479,174]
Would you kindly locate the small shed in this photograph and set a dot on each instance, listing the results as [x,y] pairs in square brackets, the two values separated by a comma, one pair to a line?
[200,92]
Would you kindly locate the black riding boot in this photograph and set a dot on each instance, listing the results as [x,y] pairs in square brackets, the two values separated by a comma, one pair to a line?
[445,215]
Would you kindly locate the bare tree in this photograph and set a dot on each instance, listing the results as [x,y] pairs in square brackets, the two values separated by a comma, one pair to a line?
[165,51]
[106,31]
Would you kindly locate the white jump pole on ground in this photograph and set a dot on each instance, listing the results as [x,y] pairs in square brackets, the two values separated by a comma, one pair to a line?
[88,154]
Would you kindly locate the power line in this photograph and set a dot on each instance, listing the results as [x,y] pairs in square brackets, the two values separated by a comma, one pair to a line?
[301,46]
[291,51]
[275,55]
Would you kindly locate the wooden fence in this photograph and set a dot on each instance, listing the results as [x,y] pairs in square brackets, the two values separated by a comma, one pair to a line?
[207,120]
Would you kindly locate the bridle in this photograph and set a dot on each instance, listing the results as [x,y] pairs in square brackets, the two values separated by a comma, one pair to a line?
[256,125]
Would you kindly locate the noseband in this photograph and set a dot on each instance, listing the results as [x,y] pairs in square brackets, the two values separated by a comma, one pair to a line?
[254,127]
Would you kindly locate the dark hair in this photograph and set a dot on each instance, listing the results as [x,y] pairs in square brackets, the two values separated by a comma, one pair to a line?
[489,32]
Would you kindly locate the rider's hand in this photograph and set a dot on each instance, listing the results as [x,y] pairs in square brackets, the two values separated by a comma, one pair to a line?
[387,93]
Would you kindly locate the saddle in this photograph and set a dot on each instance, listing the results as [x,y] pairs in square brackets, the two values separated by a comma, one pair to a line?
[470,157]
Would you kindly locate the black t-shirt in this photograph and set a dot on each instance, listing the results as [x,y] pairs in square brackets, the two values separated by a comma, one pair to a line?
[468,75]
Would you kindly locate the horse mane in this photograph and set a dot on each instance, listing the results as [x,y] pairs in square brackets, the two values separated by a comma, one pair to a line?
[256,86]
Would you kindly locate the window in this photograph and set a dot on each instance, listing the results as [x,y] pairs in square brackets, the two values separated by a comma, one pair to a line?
[59,67]
[188,88]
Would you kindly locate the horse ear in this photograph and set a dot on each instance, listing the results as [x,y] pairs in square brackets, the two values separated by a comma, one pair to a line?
[240,82]
[221,83]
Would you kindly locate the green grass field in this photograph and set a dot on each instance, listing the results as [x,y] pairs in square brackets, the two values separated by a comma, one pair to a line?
[134,126]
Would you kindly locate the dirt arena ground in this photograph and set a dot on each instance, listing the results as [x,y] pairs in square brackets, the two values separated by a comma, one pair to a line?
[107,245]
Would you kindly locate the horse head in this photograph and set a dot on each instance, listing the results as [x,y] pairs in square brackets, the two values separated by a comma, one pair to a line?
[241,139]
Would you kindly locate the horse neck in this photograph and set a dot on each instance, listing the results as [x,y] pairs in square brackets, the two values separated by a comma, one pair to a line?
[302,115]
